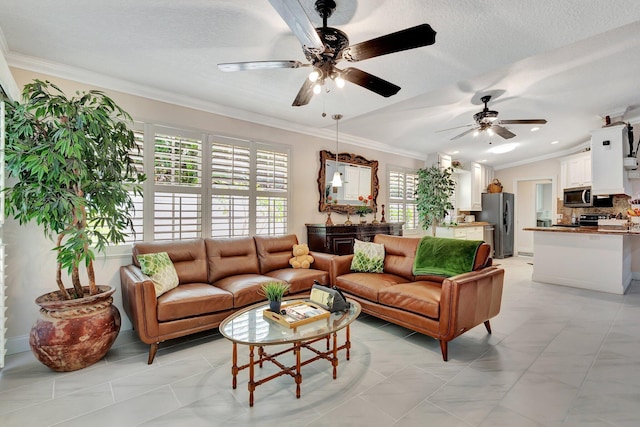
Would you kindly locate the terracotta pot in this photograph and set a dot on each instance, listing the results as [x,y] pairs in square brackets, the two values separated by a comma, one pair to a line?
[73,334]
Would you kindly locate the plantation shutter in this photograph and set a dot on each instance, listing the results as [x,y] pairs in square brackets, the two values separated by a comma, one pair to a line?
[177,188]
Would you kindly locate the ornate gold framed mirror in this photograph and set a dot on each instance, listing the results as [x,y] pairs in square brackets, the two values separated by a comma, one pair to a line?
[359,178]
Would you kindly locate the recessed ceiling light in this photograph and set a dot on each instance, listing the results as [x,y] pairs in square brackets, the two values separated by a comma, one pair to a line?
[483,161]
[533,129]
[504,148]
[554,142]
[455,152]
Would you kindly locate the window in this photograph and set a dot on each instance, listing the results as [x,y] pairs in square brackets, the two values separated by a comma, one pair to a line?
[242,191]
[402,199]
[250,188]
[137,155]
[177,182]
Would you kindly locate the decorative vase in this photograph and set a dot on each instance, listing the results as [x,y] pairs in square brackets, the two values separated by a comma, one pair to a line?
[274,306]
[363,220]
[328,221]
[74,334]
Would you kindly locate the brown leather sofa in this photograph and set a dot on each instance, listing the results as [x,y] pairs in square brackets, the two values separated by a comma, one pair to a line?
[217,277]
[440,307]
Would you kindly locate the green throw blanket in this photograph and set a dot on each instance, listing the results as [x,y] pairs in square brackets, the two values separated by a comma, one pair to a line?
[438,256]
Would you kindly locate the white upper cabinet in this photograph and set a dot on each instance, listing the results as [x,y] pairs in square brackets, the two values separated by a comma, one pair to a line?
[440,159]
[471,182]
[608,149]
[576,170]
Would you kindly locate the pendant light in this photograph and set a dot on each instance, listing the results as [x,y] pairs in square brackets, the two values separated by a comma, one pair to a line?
[337,179]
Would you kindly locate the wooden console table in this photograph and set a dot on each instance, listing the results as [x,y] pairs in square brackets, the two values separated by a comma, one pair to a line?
[338,239]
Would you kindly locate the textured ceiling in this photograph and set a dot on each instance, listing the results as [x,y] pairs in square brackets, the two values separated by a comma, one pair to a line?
[570,62]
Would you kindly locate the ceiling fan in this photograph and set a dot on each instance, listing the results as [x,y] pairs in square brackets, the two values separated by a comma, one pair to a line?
[325,46]
[487,120]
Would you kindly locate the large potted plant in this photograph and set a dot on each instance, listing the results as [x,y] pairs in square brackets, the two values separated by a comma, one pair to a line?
[433,195]
[70,170]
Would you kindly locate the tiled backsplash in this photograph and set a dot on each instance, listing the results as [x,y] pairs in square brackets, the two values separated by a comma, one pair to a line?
[620,205]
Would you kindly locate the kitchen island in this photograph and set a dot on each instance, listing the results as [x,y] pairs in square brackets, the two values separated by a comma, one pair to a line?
[582,257]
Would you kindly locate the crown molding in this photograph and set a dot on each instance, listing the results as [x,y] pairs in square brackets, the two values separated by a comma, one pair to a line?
[7,82]
[583,146]
[96,79]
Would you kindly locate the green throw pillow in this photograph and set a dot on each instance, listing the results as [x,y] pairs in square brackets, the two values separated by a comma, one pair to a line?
[160,270]
[367,257]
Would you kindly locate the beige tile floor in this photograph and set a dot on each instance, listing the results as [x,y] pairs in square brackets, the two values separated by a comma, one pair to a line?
[558,357]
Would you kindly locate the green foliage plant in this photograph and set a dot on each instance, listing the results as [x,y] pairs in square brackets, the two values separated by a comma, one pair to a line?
[433,195]
[274,291]
[73,174]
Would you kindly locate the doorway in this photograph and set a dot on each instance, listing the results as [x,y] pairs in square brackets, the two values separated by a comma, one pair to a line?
[534,207]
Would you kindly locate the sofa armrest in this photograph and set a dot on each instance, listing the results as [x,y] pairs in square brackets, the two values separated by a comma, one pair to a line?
[321,260]
[469,299]
[340,264]
[139,302]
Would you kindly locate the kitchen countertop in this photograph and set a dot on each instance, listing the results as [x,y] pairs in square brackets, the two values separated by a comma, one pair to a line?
[468,224]
[579,230]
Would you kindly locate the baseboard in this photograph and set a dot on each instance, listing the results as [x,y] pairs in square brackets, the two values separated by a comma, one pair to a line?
[17,345]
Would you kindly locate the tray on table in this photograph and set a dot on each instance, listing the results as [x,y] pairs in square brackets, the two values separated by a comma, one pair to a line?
[298,313]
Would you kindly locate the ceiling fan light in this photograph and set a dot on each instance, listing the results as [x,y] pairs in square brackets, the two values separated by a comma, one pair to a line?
[339,82]
[314,75]
[317,88]
[476,133]
[337,179]
[490,131]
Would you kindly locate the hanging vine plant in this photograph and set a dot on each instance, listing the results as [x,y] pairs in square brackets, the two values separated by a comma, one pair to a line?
[433,195]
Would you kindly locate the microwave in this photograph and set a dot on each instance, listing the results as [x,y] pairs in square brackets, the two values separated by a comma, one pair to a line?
[580,197]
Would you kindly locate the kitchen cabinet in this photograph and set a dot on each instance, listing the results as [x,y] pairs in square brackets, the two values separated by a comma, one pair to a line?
[608,148]
[576,170]
[461,232]
[486,179]
[440,159]
[469,186]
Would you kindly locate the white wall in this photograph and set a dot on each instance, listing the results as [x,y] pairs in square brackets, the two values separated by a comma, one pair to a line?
[31,263]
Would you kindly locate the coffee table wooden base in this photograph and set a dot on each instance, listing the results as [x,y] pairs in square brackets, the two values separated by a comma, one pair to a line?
[330,354]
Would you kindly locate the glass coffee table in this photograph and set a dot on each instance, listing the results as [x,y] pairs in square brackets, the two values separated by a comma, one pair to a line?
[249,327]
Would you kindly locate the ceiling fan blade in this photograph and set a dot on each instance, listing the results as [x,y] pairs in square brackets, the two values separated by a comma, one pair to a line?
[524,122]
[503,132]
[466,132]
[259,65]
[410,38]
[457,127]
[369,81]
[296,18]
[304,94]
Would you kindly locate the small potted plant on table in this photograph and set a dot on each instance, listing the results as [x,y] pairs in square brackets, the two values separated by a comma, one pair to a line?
[274,291]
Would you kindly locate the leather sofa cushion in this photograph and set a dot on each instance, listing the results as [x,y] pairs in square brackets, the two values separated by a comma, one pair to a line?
[189,257]
[399,254]
[300,279]
[274,252]
[192,299]
[422,298]
[367,285]
[231,257]
[244,288]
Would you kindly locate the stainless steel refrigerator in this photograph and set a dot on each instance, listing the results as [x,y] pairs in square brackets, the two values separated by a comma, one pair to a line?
[497,208]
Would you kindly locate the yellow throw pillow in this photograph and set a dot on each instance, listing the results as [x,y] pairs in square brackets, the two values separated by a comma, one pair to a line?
[160,270]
